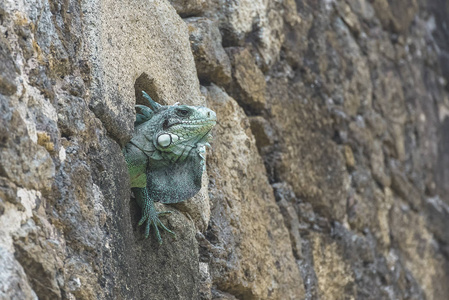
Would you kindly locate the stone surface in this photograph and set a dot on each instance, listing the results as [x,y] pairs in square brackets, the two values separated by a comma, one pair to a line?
[248,86]
[14,283]
[257,22]
[8,71]
[328,175]
[188,8]
[68,222]
[249,228]
[107,37]
[212,62]
[262,132]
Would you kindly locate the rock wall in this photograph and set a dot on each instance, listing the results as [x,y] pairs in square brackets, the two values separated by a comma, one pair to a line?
[328,176]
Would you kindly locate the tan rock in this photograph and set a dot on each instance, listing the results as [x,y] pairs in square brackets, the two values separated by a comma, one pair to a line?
[260,19]
[188,8]
[312,164]
[417,250]
[262,131]
[249,81]
[350,161]
[347,126]
[333,273]
[398,14]
[378,167]
[119,52]
[212,62]
[252,254]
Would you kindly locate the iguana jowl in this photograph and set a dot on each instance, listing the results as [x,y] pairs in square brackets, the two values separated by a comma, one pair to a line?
[165,157]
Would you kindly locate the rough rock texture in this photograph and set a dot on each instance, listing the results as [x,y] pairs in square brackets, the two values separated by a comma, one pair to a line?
[212,62]
[246,227]
[328,176]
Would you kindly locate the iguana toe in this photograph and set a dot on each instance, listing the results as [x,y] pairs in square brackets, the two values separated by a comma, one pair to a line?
[153,220]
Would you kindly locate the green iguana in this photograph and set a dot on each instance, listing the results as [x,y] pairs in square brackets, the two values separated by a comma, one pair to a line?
[165,157]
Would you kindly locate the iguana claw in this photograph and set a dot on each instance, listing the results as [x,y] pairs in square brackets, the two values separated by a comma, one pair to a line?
[150,214]
[153,219]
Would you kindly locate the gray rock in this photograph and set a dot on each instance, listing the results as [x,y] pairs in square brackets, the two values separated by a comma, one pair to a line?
[248,86]
[212,62]
[8,69]
[188,8]
[328,175]
[247,224]
[14,282]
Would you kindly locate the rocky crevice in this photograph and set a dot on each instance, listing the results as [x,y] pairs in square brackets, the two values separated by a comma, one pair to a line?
[328,173]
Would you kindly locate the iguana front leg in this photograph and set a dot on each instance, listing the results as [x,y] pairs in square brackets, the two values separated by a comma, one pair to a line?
[149,214]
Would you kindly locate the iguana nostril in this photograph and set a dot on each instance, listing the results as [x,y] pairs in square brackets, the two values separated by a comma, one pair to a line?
[211,115]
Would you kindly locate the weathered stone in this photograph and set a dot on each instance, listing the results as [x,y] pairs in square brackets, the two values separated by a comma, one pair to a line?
[259,21]
[44,140]
[418,251]
[21,160]
[389,98]
[347,105]
[188,8]
[212,62]
[113,73]
[349,17]
[13,285]
[384,202]
[8,190]
[378,167]
[362,8]
[396,15]
[403,187]
[38,257]
[326,256]
[248,227]
[64,180]
[290,215]
[8,69]
[205,291]
[360,134]
[263,133]
[302,150]
[376,123]
[355,91]
[249,86]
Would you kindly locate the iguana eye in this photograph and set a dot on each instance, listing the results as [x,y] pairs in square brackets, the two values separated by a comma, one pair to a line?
[182,112]
[164,140]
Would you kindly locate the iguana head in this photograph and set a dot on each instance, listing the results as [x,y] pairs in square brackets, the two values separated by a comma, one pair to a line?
[183,125]
[174,129]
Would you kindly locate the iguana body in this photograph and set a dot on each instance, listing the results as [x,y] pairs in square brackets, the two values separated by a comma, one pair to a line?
[165,157]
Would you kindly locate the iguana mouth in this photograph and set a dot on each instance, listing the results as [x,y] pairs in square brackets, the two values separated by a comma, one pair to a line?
[211,121]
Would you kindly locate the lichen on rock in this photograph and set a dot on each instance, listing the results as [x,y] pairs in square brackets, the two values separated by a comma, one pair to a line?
[327,177]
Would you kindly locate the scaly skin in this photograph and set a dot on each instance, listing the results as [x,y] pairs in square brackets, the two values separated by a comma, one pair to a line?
[165,157]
